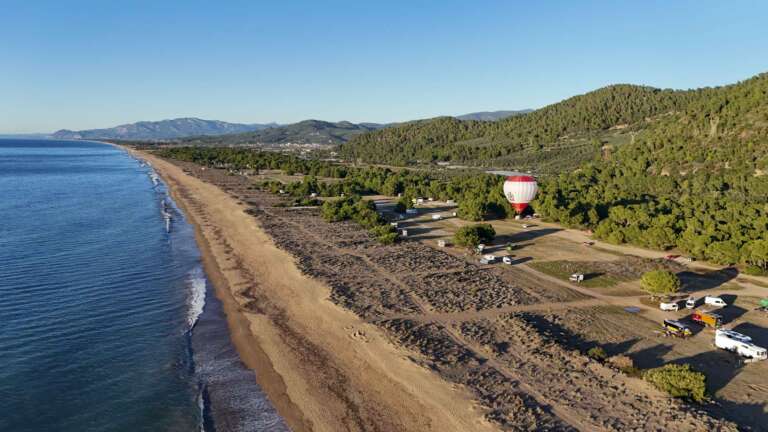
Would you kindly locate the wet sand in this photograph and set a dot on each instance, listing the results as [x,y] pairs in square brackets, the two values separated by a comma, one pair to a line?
[322,366]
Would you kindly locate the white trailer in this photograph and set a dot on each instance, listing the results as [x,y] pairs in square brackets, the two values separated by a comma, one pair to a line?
[490,258]
[740,344]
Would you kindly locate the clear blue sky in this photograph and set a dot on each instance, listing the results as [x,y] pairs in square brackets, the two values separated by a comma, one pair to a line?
[85,64]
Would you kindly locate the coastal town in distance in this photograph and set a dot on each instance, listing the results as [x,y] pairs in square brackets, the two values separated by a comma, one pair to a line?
[517,248]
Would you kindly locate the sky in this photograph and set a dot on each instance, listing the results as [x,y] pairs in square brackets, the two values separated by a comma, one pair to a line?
[87,64]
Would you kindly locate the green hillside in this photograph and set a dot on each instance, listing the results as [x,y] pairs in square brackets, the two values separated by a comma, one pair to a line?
[575,122]
[304,132]
[689,172]
[694,179]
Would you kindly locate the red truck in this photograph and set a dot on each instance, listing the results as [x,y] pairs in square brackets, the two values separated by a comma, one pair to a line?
[707,318]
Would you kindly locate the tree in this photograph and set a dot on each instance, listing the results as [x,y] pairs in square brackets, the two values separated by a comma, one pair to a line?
[756,254]
[403,204]
[472,235]
[679,381]
[724,252]
[472,208]
[660,282]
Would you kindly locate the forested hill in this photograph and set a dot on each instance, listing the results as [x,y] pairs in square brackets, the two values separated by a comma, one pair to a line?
[304,132]
[491,115]
[694,179]
[447,138]
[721,128]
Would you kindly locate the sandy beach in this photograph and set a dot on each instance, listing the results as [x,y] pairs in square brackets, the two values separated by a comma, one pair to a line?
[323,367]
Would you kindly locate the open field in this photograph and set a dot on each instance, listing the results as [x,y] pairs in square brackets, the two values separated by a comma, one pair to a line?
[612,281]
[512,336]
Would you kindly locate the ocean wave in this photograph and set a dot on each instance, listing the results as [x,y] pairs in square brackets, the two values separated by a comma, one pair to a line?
[201,406]
[196,302]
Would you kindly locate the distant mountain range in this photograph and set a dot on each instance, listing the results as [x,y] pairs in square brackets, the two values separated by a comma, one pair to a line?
[491,115]
[162,130]
[304,132]
[194,130]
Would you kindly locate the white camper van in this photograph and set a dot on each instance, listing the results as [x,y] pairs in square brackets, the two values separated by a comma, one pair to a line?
[740,344]
[669,306]
[715,301]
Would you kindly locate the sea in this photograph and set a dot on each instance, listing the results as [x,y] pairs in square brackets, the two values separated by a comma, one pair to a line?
[107,320]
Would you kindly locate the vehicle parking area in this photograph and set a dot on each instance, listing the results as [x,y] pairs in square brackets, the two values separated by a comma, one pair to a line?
[613,312]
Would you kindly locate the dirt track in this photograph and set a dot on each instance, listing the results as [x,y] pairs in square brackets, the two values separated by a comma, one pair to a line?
[468,324]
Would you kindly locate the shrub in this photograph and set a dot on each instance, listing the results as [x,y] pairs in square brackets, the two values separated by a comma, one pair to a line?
[625,364]
[387,238]
[679,381]
[337,210]
[660,282]
[755,271]
[597,353]
[472,235]
[364,213]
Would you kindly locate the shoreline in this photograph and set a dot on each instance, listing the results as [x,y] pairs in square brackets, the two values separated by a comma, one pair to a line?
[298,343]
[244,342]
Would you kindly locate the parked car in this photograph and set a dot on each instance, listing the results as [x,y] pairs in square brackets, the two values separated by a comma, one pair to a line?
[715,301]
[669,306]
[691,302]
[507,260]
[576,277]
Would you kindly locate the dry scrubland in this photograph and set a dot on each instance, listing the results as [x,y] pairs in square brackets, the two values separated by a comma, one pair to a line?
[497,332]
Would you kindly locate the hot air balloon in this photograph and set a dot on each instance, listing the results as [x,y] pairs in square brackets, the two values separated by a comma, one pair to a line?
[520,190]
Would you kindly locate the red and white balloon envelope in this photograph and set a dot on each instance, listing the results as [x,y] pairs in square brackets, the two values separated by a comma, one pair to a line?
[520,190]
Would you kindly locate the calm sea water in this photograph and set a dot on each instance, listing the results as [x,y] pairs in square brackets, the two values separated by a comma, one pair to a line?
[107,322]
